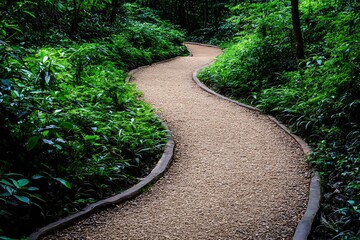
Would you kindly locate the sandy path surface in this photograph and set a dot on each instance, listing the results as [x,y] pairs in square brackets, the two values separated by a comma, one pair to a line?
[235,174]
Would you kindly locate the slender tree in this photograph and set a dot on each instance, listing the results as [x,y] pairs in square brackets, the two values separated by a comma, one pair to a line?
[182,13]
[206,12]
[75,20]
[114,6]
[299,43]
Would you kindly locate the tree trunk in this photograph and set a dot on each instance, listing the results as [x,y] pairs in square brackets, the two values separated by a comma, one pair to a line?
[206,12]
[299,44]
[115,4]
[10,2]
[217,13]
[154,4]
[182,17]
[74,23]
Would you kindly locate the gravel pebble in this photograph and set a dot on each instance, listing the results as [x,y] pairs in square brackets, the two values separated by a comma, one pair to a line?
[235,175]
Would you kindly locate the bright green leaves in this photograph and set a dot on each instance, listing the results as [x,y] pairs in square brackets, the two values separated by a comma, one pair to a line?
[15,188]
[18,189]
[67,125]
[91,138]
[320,101]
[23,199]
[70,123]
[20,183]
[63,182]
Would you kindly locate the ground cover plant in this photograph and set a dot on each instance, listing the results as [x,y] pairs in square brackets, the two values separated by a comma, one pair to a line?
[72,130]
[317,96]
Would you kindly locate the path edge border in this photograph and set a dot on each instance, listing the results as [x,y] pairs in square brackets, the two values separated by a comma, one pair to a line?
[134,191]
[304,226]
[161,167]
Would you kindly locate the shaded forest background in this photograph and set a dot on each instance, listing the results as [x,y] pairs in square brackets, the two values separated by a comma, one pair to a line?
[72,131]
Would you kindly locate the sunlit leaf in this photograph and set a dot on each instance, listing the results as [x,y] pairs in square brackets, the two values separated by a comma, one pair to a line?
[47,77]
[91,137]
[6,182]
[63,182]
[23,199]
[47,141]
[23,182]
[37,176]
[29,13]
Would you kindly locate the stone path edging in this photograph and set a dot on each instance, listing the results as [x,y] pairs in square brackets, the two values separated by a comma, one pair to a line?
[160,168]
[128,194]
[304,226]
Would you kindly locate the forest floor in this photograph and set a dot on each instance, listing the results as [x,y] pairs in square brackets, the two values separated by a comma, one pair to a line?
[235,175]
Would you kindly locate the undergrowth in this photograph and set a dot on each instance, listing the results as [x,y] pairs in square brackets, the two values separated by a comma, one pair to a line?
[72,130]
[317,98]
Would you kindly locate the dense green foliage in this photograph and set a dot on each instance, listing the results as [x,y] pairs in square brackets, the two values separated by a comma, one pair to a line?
[204,20]
[72,131]
[319,97]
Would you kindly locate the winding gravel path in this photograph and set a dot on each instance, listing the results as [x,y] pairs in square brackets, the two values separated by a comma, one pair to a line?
[235,174]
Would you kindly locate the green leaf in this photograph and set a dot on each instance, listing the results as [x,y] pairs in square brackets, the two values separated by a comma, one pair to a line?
[29,13]
[60,140]
[32,143]
[45,133]
[47,77]
[10,191]
[13,175]
[91,137]
[63,182]
[6,182]
[23,199]
[16,184]
[47,141]
[67,125]
[22,182]
[37,176]
[32,189]
[5,238]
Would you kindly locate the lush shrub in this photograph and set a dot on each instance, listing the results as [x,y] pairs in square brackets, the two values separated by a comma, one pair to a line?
[88,128]
[214,34]
[326,92]
[246,67]
[72,131]
[319,100]
[258,55]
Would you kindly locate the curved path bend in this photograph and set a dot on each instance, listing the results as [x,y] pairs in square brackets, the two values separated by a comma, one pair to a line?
[235,175]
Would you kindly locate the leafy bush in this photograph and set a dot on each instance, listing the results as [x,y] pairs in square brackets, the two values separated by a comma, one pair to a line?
[258,55]
[214,34]
[90,130]
[72,131]
[319,99]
